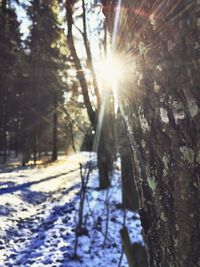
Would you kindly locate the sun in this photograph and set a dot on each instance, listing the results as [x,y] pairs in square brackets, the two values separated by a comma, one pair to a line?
[110,72]
[113,74]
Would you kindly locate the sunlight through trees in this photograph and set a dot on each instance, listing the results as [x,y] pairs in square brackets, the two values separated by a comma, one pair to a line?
[120,79]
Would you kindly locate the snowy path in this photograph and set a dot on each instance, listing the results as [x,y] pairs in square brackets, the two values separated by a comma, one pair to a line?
[38,207]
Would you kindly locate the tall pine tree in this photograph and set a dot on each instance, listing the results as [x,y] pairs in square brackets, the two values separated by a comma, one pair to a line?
[45,88]
[9,53]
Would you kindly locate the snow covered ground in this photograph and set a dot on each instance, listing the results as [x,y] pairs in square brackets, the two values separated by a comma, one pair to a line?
[39,213]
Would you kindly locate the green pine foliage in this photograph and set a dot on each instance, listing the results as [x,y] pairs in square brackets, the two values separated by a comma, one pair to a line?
[47,66]
[10,45]
[31,75]
[39,112]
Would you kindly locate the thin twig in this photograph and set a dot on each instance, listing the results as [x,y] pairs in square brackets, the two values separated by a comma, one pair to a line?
[78,29]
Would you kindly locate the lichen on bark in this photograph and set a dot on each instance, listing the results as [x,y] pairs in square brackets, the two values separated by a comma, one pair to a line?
[161,110]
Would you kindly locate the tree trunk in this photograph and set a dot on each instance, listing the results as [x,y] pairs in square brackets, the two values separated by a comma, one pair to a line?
[4,147]
[161,109]
[106,147]
[128,248]
[104,154]
[55,131]
[129,191]
[5,119]
[16,140]
[35,146]
[80,74]
[89,57]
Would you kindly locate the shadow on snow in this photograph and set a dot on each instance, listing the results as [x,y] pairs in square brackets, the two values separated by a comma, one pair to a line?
[12,189]
[39,235]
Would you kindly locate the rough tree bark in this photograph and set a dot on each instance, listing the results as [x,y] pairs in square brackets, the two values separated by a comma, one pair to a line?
[163,120]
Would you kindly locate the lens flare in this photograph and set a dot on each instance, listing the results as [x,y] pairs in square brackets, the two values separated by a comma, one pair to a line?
[110,73]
